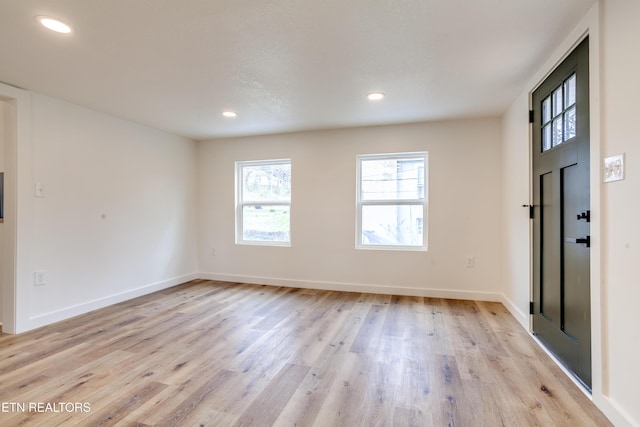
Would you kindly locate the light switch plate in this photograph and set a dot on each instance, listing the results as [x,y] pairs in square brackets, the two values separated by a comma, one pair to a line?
[613,168]
[39,190]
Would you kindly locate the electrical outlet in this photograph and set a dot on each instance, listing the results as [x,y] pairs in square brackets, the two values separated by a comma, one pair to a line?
[39,278]
[470,262]
[213,251]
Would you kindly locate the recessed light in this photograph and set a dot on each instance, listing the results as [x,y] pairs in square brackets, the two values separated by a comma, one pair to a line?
[229,114]
[375,96]
[54,24]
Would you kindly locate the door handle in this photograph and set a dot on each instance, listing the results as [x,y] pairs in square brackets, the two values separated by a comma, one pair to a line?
[580,240]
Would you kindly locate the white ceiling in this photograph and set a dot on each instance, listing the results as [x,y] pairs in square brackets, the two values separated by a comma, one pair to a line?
[283,65]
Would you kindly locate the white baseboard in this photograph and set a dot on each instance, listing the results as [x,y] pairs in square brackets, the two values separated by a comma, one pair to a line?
[68,312]
[618,416]
[515,311]
[355,287]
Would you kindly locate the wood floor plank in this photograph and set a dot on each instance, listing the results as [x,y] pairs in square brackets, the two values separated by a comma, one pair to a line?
[266,407]
[373,323]
[439,336]
[211,353]
[189,408]
[306,403]
[403,417]
[113,413]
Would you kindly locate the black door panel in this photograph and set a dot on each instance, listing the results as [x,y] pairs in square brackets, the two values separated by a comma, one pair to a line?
[561,227]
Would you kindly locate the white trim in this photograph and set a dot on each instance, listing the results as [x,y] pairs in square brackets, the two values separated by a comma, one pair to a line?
[520,316]
[85,307]
[354,287]
[618,416]
[18,218]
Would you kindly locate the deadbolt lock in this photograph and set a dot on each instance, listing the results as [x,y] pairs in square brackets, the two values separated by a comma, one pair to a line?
[585,215]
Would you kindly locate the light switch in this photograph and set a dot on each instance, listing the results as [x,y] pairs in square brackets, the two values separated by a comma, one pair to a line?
[470,261]
[39,189]
[613,168]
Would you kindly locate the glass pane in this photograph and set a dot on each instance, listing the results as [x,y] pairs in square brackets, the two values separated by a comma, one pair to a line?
[265,223]
[392,179]
[557,101]
[546,110]
[557,131]
[395,225]
[570,123]
[570,91]
[546,137]
[268,182]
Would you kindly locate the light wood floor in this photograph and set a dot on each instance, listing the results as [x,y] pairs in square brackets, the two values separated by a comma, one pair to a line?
[220,354]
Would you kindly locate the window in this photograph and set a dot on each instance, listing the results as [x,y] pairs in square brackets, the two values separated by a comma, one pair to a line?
[392,201]
[263,195]
[559,115]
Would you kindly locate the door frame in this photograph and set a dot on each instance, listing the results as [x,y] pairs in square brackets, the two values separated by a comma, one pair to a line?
[589,27]
[17,271]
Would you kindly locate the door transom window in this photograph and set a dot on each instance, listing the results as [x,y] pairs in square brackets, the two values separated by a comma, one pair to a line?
[559,114]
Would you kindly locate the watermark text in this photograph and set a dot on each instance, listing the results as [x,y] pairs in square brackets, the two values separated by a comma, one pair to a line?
[44,407]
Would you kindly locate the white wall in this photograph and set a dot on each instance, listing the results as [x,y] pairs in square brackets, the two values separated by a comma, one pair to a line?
[118,218]
[464,211]
[621,229]
[613,31]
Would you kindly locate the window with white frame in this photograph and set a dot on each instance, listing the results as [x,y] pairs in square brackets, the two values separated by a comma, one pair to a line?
[392,201]
[263,202]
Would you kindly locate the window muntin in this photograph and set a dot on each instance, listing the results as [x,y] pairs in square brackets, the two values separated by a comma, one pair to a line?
[391,201]
[263,207]
[559,115]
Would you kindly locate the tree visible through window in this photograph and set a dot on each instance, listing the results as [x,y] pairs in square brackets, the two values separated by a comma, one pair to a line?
[263,202]
[392,201]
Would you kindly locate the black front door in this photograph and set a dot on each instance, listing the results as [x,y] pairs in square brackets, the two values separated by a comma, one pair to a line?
[561,214]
